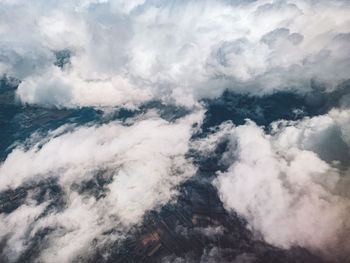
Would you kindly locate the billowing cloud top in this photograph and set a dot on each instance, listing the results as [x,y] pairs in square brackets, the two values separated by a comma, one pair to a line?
[290,185]
[127,52]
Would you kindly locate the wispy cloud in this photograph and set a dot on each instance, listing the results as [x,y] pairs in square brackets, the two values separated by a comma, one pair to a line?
[141,162]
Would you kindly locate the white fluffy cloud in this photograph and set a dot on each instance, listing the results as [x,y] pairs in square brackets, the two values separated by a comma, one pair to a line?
[174,51]
[146,161]
[291,185]
[286,185]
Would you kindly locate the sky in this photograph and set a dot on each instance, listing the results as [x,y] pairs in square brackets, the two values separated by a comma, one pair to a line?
[166,83]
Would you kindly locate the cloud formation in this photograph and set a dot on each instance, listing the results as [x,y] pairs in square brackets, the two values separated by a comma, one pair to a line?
[127,52]
[290,185]
[141,161]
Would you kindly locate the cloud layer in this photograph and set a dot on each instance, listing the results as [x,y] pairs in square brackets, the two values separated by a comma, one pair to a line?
[126,52]
[289,181]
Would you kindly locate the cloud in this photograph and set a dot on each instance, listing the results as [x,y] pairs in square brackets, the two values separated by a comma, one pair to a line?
[289,184]
[177,52]
[141,162]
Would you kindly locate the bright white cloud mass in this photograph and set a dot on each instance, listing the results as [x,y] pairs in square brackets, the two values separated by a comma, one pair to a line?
[281,184]
[127,52]
[288,180]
